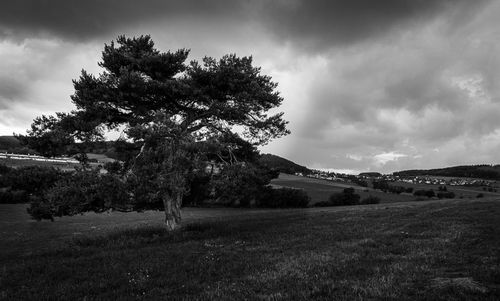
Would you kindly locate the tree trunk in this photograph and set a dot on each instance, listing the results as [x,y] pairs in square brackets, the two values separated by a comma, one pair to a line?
[172,206]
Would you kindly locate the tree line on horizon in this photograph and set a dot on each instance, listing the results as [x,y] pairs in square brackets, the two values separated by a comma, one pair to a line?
[481,171]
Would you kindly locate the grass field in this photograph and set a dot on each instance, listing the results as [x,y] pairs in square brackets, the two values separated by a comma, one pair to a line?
[22,163]
[60,165]
[435,250]
[460,191]
[320,190]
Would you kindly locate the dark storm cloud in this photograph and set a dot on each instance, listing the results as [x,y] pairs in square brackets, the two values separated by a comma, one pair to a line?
[425,100]
[305,23]
[368,85]
[321,24]
[91,18]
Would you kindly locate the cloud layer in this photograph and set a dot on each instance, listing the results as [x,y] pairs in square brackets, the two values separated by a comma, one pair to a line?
[368,85]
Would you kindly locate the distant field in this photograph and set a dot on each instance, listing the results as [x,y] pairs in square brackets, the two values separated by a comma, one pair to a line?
[320,190]
[64,166]
[434,250]
[460,191]
[21,163]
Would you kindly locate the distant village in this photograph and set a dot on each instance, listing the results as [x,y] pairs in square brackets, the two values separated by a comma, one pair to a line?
[426,180]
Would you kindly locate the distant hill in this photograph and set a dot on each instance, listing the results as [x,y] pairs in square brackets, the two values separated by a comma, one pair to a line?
[484,171]
[12,145]
[8,142]
[282,165]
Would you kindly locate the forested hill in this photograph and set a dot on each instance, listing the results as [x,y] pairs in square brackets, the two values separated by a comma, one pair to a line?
[8,142]
[467,171]
[282,165]
[12,145]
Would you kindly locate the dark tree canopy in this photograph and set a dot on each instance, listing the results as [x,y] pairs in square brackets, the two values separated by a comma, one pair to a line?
[141,85]
[181,114]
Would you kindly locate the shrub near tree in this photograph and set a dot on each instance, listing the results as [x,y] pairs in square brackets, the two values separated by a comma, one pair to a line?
[427,193]
[81,192]
[167,107]
[241,184]
[445,194]
[345,198]
[19,185]
[283,198]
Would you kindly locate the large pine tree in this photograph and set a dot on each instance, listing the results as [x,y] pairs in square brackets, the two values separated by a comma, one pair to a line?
[168,107]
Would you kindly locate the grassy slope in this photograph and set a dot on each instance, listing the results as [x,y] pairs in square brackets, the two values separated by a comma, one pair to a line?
[22,163]
[282,164]
[320,190]
[460,191]
[438,250]
[65,166]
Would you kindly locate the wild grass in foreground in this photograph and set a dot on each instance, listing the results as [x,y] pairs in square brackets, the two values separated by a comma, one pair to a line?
[431,251]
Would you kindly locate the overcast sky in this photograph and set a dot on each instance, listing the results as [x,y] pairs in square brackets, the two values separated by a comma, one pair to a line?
[368,85]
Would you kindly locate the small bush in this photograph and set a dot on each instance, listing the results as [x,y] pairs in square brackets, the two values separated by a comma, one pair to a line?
[40,209]
[479,195]
[345,198]
[323,204]
[445,194]
[428,193]
[81,192]
[370,200]
[283,198]
[442,188]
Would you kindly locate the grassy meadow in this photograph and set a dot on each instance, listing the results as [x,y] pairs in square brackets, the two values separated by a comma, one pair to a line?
[23,163]
[60,165]
[460,191]
[320,190]
[435,250]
